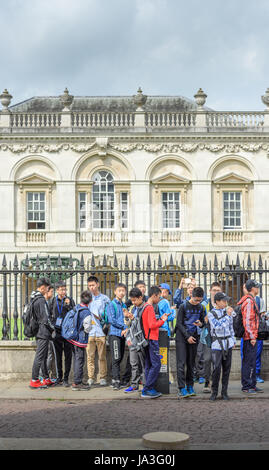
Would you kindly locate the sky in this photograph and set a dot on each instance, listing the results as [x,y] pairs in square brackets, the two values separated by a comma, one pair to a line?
[111,47]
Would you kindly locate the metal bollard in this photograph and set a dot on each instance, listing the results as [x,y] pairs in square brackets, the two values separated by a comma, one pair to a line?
[162,384]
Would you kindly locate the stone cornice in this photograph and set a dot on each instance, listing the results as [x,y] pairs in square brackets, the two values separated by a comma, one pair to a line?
[148,143]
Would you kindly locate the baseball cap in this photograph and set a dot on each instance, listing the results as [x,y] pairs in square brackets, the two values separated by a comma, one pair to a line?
[252,283]
[166,286]
[220,296]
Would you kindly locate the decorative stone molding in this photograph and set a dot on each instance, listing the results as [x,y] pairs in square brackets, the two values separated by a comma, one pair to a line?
[174,148]
[103,146]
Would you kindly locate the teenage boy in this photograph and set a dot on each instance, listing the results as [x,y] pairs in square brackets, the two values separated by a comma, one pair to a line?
[60,305]
[115,314]
[250,314]
[198,370]
[41,312]
[205,336]
[152,356]
[141,285]
[190,316]
[262,310]
[137,358]
[164,307]
[97,337]
[51,358]
[79,346]
[223,341]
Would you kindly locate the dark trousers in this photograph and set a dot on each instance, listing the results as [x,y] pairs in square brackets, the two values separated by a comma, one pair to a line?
[185,356]
[219,363]
[207,352]
[248,370]
[61,347]
[40,360]
[117,347]
[152,364]
[78,361]
[199,370]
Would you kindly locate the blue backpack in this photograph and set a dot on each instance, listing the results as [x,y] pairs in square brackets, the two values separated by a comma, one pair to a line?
[71,327]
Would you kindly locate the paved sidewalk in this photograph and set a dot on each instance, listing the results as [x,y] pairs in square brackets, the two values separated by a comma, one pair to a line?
[21,391]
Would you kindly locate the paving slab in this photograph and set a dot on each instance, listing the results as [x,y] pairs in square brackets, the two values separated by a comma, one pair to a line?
[21,391]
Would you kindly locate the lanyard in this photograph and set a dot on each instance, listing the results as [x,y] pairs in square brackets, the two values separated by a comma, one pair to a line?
[62,303]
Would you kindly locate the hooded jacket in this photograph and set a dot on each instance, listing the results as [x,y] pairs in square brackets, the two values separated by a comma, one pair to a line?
[250,314]
[41,311]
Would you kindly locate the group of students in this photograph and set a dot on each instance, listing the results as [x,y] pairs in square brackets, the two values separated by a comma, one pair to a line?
[203,331]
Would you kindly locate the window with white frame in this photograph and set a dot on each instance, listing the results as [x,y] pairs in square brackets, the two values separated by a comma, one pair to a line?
[82,199]
[124,202]
[171,210]
[103,200]
[232,210]
[36,211]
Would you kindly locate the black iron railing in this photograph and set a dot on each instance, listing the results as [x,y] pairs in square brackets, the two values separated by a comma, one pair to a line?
[17,280]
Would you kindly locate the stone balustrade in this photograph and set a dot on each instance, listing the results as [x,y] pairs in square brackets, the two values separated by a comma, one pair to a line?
[192,120]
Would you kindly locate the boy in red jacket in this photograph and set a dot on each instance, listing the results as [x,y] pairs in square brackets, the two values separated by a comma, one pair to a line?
[152,355]
[250,314]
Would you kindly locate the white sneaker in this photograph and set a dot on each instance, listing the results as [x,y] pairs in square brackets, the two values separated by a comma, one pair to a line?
[103,382]
[90,382]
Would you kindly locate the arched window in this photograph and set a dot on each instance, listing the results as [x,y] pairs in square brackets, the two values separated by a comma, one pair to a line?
[103,200]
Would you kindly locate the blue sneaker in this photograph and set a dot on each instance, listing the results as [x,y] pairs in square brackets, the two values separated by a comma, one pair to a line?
[259,379]
[191,391]
[183,393]
[201,380]
[150,394]
[130,389]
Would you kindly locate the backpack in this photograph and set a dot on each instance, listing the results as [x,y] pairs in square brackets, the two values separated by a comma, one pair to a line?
[136,336]
[238,326]
[104,318]
[31,325]
[239,330]
[70,325]
[220,339]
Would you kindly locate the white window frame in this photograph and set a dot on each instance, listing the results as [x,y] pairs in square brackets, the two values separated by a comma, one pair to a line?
[82,211]
[166,212]
[123,210]
[228,209]
[107,216]
[34,210]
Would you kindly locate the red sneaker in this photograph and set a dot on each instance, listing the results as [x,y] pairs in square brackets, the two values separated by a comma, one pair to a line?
[37,384]
[48,382]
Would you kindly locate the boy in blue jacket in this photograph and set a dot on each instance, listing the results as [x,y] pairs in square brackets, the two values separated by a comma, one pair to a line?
[79,346]
[164,307]
[116,311]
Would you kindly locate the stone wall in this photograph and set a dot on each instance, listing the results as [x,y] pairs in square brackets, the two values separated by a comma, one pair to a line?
[17,359]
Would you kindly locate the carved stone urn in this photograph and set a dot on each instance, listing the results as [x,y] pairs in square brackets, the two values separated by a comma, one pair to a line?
[5,99]
[66,100]
[265,98]
[140,100]
[200,98]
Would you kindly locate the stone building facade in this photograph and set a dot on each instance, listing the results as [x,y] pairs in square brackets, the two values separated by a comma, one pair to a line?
[132,174]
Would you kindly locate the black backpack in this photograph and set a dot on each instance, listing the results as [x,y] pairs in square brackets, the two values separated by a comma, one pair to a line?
[238,326]
[239,330]
[31,325]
